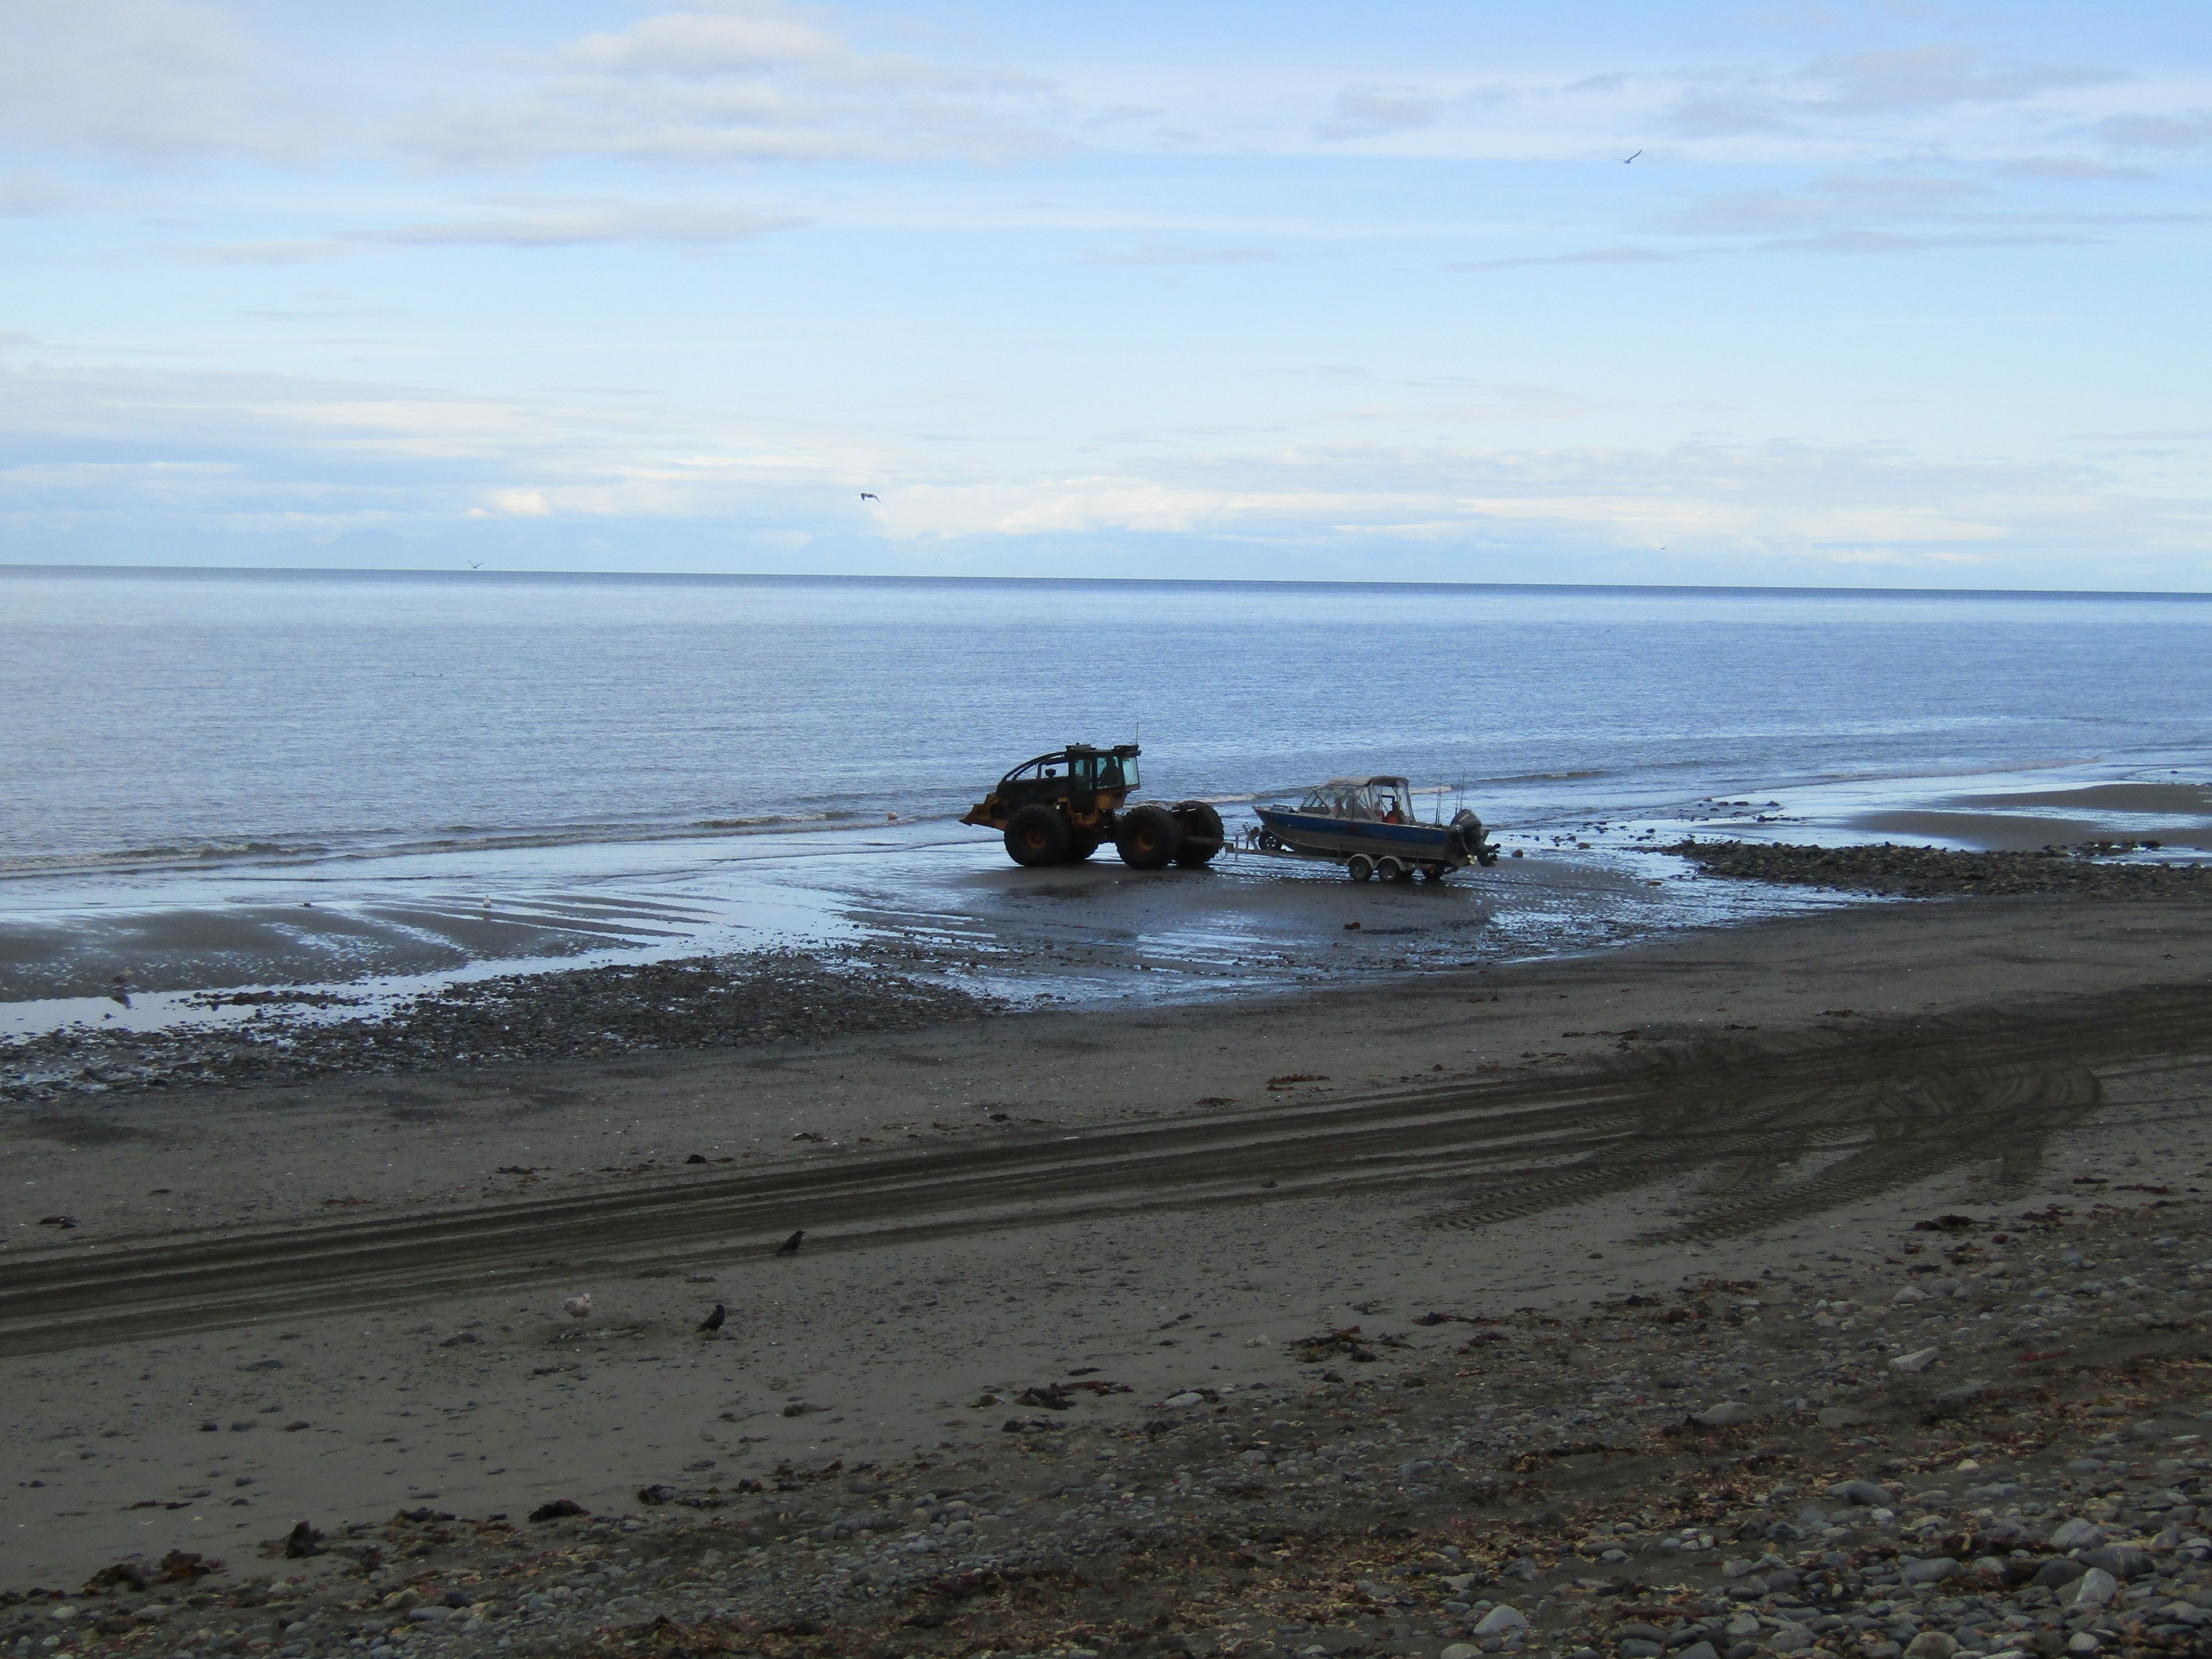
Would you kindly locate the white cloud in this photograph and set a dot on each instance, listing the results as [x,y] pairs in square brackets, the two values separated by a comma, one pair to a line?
[1917,79]
[698,44]
[151,80]
[2175,132]
[1367,111]
[750,81]
[573,225]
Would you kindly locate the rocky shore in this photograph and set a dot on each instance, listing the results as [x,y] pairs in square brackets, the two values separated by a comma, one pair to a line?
[699,1003]
[1970,1435]
[1938,872]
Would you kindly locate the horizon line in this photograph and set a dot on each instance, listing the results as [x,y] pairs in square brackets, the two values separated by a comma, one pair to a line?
[412,572]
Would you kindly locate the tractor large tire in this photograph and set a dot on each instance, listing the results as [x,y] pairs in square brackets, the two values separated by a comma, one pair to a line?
[1201,834]
[1149,837]
[1037,835]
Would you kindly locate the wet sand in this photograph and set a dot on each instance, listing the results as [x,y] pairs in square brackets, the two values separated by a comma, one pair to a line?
[1165,1192]
[2171,815]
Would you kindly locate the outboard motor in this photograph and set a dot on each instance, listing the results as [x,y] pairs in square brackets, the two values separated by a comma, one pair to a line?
[1468,829]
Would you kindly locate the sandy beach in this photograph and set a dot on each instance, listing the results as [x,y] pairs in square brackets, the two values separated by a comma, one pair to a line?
[230,1310]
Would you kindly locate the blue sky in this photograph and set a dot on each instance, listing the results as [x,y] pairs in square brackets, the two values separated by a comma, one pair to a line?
[1897,294]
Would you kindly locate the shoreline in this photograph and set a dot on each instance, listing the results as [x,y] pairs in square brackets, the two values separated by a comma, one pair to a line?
[738,999]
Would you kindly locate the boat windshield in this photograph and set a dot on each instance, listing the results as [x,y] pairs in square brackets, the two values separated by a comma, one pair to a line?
[1361,802]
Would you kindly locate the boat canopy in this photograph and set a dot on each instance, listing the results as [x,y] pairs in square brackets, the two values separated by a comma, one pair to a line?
[1376,800]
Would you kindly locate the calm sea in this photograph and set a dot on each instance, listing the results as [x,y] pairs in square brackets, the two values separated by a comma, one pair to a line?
[160,716]
[233,778]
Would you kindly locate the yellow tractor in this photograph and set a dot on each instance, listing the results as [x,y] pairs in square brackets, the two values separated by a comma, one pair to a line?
[1062,807]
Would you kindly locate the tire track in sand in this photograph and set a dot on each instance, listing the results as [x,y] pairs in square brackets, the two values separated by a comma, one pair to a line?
[1878,1107]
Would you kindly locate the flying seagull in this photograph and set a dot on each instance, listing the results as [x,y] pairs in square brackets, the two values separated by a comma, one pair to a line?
[1626,159]
[790,1246]
[476,564]
[870,495]
[713,1322]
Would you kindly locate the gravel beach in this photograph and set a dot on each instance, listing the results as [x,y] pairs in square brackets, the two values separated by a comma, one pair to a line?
[1985,1435]
[1833,1284]
[1940,873]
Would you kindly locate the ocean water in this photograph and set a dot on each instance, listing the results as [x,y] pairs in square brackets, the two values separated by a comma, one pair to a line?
[204,741]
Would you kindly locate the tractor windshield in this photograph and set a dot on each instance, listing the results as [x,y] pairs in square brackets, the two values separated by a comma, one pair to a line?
[1104,772]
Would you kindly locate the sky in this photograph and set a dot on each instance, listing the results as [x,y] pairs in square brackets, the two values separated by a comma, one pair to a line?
[1895,294]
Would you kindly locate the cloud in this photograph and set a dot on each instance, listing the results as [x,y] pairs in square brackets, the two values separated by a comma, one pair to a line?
[577,226]
[1837,202]
[701,44]
[1370,111]
[1591,256]
[207,458]
[2182,132]
[24,194]
[752,82]
[299,251]
[1703,112]
[2069,170]
[1832,97]
[151,80]
[1169,253]
[1919,79]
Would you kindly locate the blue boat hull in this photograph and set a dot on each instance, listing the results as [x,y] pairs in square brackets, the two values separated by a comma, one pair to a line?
[1319,835]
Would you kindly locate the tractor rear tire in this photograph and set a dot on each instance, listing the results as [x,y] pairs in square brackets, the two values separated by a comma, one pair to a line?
[1037,835]
[1201,834]
[1149,837]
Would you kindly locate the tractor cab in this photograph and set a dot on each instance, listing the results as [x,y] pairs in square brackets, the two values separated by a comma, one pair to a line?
[1086,779]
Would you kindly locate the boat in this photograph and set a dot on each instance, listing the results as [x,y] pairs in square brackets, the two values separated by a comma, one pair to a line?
[1367,825]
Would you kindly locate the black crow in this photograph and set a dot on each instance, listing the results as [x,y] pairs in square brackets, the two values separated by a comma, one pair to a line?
[790,1246]
[713,1322]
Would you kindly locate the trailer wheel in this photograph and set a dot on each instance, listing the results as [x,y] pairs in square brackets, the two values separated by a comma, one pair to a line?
[1149,837]
[1390,870]
[1201,834]
[1036,835]
[1359,866]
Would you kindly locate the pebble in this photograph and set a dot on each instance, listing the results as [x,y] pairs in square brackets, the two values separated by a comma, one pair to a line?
[1871,1569]
[1727,1414]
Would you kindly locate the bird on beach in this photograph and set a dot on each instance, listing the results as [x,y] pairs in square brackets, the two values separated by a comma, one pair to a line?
[790,1246]
[713,1322]
[578,1307]
[870,495]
